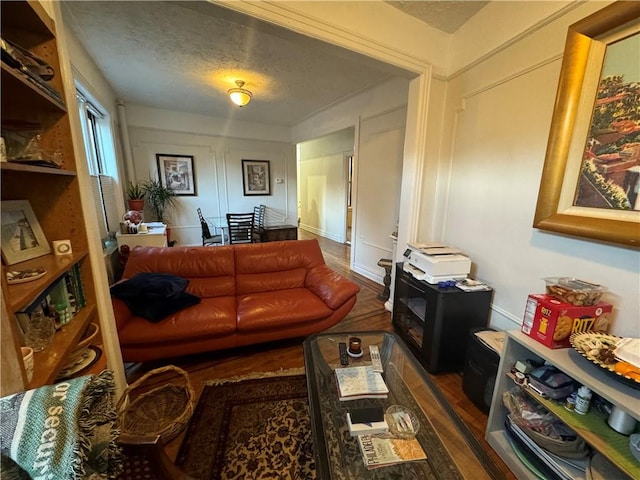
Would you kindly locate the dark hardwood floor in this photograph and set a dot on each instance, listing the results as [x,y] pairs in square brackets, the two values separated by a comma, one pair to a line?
[367,314]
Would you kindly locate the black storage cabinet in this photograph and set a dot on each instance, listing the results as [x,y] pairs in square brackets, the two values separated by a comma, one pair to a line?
[435,321]
[480,370]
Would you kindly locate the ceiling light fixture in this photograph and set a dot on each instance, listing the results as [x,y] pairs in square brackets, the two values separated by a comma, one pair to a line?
[240,96]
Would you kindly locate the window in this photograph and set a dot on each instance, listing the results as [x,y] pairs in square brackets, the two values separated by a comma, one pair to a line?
[98,141]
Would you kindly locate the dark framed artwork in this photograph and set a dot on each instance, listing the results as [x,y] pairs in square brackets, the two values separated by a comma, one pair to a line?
[256,177]
[22,237]
[176,172]
[591,178]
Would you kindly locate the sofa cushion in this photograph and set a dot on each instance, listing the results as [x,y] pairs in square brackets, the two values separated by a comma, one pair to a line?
[266,282]
[187,262]
[154,295]
[214,317]
[261,311]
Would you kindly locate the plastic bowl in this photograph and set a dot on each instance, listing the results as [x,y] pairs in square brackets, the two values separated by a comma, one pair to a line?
[402,422]
[574,291]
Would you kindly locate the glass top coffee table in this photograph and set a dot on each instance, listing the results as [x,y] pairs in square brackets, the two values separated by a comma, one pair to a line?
[452,452]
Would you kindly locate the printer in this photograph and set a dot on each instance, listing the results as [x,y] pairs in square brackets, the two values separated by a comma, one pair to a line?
[435,262]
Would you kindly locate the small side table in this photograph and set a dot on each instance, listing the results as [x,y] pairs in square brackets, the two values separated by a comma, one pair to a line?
[156,237]
[385,263]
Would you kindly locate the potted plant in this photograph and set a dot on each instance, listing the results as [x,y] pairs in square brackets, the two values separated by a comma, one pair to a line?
[158,198]
[135,196]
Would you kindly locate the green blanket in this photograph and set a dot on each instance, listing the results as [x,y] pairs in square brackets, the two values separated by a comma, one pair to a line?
[62,431]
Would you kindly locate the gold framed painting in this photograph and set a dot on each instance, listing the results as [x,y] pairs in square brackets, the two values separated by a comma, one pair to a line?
[590,184]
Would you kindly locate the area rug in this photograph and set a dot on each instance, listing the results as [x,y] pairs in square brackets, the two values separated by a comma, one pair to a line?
[251,429]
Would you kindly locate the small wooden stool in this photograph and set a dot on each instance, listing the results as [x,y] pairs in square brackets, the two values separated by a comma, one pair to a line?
[385,263]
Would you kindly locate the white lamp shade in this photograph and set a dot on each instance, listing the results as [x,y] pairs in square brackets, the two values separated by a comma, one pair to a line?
[240,96]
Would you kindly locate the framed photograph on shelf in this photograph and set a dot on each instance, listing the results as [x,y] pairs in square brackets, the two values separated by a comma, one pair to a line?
[590,183]
[256,177]
[176,172]
[22,237]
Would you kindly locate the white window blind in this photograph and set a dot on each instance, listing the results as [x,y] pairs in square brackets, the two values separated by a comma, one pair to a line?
[104,200]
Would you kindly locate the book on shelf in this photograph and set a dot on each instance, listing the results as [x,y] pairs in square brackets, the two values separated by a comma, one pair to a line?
[384,450]
[360,382]
[62,299]
[366,421]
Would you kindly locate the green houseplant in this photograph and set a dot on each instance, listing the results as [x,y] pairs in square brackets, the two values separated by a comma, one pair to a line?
[158,198]
[135,196]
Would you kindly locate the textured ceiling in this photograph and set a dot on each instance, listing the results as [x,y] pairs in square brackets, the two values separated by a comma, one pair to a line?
[445,15]
[185,55]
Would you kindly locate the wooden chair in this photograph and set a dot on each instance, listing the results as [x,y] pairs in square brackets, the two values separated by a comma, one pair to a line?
[207,238]
[240,227]
[258,220]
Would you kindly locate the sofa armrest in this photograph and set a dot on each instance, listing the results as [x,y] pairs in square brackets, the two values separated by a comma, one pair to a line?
[121,312]
[331,287]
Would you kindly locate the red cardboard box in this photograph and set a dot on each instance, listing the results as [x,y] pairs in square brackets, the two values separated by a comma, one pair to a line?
[551,322]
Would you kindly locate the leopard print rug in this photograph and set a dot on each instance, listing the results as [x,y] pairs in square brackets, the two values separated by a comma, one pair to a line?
[254,429]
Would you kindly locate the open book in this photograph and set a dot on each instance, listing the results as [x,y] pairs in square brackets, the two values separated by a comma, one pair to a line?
[382,450]
[360,382]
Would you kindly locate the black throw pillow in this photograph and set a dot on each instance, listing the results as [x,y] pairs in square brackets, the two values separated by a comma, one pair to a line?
[154,296]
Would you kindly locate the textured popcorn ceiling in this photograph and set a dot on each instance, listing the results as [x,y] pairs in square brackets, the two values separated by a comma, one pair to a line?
[445,15]
[185,55]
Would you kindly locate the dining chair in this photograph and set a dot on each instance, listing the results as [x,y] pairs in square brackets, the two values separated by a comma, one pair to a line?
[240,227]
[258,222]
[207,238]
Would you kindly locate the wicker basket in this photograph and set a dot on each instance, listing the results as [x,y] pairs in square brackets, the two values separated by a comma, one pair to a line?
[163,411]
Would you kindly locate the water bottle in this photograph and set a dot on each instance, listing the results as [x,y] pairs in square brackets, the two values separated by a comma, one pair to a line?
[583,400]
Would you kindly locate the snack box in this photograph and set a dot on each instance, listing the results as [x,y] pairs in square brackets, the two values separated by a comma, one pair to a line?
[551,322]
[574,291]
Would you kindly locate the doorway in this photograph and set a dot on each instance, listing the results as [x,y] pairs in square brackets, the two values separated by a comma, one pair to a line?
[349,189]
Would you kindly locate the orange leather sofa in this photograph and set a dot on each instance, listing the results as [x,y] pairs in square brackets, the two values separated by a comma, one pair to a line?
[250,293]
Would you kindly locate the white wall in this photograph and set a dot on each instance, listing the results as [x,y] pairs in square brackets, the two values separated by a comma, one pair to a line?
[322,182]
[497,122]
[378,175]
[217,165]
[91,78]
[383,97]
[378,162]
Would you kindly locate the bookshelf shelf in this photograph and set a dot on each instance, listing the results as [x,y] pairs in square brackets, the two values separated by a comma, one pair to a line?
[50,361]
[21,295]
[20,167]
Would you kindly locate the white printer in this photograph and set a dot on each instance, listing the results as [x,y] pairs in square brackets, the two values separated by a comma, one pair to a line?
[435,262]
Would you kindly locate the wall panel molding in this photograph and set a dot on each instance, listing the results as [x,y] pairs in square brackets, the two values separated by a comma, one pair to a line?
[516,39]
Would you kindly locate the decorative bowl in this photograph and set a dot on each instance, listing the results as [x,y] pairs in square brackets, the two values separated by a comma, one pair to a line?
[87,337]
[403,423]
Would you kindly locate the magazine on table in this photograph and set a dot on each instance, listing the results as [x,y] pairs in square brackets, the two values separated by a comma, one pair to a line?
[384,450]
[360,382]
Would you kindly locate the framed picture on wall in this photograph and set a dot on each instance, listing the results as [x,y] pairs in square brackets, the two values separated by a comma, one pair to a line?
[176,172]
[22,237]
[256,177]
[591,178]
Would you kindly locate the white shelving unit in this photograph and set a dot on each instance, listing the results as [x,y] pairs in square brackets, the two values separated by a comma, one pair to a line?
[603,439]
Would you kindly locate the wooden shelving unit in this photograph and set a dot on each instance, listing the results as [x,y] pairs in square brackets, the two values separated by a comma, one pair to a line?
[53,193]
